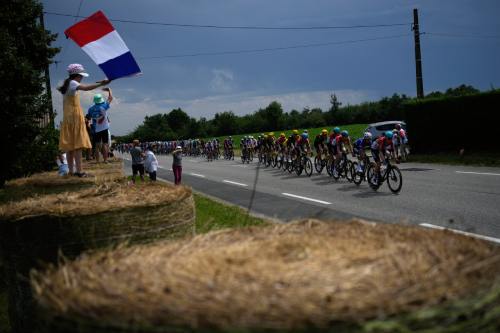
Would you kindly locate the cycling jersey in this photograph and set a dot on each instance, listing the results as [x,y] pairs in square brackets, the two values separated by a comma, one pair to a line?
[320,140]
[381,144]
[281,141]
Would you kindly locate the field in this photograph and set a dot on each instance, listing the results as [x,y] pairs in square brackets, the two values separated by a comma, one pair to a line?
[355,131]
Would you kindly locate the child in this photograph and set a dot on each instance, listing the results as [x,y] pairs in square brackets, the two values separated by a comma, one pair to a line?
[62,163]
[137,161]
[100,124]
[151,163]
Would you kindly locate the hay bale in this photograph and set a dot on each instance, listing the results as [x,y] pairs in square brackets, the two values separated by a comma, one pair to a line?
[300,276]
[36,230]
[50,182]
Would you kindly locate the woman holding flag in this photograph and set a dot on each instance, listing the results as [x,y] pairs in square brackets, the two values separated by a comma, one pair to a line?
[73,132]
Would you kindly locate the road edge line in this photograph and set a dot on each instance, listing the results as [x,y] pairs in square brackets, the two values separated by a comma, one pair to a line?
[465,233]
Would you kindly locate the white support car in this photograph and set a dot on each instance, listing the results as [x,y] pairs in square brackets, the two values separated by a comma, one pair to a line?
[376,129]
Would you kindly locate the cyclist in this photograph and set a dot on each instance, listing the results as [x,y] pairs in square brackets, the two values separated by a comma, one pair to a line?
[302,144]
[380,147]
[360,145]
[320,142]
[342,141]
[332,141]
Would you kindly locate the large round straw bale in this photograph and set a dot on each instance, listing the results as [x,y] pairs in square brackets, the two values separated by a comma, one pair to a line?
[299,276]
[36,230]
[50,182]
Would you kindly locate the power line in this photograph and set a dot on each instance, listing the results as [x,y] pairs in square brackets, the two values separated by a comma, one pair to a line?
[185,25]
[273,48]
[445,34]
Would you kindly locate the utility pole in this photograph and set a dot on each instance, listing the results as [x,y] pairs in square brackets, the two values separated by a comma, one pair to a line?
[50,114]
[418,56]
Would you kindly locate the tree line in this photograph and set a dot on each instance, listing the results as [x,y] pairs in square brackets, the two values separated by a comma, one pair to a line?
[177,124]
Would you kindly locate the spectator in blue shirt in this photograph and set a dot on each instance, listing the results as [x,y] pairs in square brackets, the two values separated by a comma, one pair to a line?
[100,125]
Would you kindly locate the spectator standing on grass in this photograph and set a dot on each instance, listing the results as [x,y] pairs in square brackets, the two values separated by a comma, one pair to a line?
[73,133]
[137,161]
[100,123]
[151,163]
[177,164]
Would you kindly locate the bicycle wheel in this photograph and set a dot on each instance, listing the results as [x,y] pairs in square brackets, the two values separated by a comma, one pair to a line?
[357,176]
[329,167]
[308,167]
[394,179]
[275,161]
[298,166]
[291,167]
[348,171]
[318,165]
[372,176]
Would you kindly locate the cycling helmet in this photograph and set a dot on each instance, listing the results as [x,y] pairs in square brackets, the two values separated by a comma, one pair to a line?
[230,137]
[336,130]
[282,135]
[295,131]
[388,135]
[304,135]
[367,135]
[265,136]
[271,133]
[398,126]
[306,131]
[324,131]
[345,134]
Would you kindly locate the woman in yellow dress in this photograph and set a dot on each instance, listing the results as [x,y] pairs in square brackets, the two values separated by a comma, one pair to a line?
[73,133]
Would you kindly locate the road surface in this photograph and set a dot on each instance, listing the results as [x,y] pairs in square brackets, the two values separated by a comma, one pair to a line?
[456,197]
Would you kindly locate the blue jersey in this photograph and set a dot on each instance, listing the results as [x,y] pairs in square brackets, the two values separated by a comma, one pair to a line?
[362,144]
[95,112]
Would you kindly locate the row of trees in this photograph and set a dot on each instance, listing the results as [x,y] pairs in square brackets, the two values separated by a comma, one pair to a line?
[178,125]
[26,52]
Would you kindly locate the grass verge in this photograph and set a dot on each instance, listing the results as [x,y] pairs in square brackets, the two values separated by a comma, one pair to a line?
[212,215]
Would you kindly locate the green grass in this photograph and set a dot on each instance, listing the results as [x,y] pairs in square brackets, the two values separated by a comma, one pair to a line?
[355,131]
[472,159]
[213,215]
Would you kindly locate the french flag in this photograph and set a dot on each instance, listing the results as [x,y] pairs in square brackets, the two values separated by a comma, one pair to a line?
[97,37]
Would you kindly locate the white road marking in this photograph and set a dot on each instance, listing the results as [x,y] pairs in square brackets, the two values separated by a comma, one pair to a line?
[234,183]
[238,165]
[491,239]
[479,173]
[306,198]
[196,175]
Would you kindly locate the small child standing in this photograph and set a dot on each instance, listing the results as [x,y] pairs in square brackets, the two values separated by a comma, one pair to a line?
[151,163]
[62,164]
[137,161]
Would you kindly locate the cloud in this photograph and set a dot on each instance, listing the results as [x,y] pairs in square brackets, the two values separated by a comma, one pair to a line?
[222,81]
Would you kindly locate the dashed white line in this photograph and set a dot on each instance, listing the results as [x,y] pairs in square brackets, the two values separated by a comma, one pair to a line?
[196,175]
[234,183]
[479,173]
[238,165]
[306,198]
[491,239]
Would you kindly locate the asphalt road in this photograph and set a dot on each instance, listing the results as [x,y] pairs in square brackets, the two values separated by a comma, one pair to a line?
[456,197]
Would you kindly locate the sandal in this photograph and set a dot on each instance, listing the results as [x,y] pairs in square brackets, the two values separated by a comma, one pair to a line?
[81,174]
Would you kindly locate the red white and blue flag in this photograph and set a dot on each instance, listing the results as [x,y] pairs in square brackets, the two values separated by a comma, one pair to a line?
[97,37]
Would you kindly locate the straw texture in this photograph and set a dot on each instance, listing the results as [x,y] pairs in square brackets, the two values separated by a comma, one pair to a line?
[37,230]
[51,183]
[300,276]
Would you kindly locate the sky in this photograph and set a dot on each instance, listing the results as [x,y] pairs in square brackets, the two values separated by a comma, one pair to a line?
[460,45]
